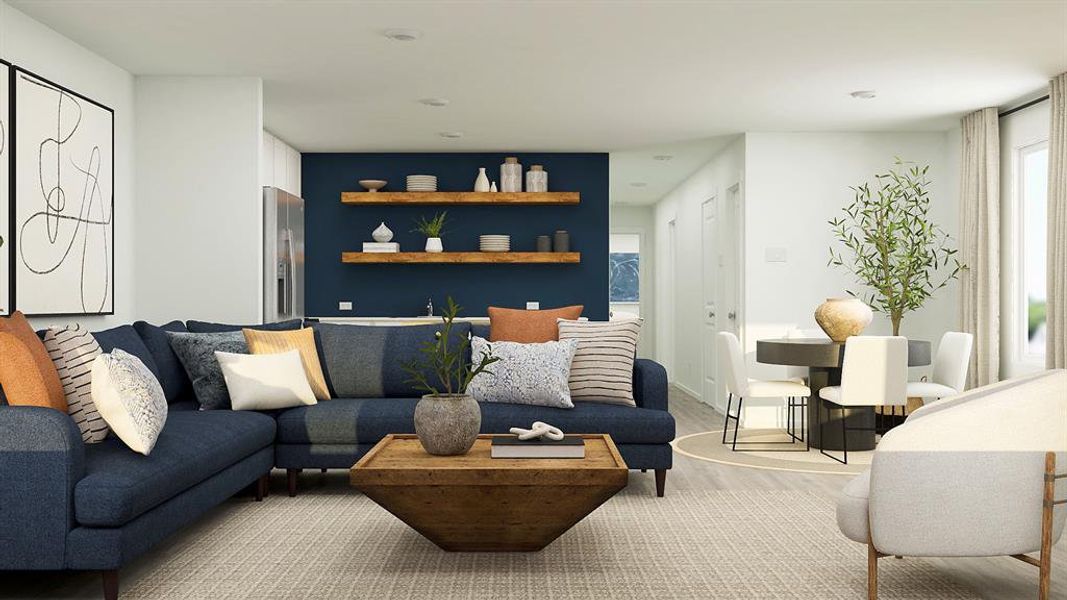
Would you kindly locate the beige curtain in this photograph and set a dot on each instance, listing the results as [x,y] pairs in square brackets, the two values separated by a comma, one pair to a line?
[980,243]
[1056,341]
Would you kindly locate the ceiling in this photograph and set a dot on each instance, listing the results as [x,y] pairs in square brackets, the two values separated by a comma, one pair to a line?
[585,76]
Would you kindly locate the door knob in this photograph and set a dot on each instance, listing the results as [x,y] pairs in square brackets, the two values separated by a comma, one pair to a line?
[731,315]
[711,314]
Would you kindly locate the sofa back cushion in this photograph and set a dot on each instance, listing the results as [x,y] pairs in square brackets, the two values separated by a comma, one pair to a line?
[364,361]
[27,374]
[176,383]
[125,338]
[208,327]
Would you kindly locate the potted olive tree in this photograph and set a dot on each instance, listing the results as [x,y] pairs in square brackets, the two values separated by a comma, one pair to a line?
[890,244]
[447,418]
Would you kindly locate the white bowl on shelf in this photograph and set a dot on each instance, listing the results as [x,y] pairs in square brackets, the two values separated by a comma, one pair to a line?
[372,185]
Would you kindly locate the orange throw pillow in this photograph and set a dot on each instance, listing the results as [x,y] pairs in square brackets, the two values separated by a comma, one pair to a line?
[528,326]
[27,374]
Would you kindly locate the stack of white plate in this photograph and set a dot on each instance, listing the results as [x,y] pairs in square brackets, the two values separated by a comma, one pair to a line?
[495,243]
[422,183]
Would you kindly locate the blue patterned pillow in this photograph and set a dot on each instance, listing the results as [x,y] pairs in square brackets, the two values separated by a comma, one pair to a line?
[534,374]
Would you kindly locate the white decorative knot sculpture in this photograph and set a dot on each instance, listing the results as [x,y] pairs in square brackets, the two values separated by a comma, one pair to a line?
[538,430]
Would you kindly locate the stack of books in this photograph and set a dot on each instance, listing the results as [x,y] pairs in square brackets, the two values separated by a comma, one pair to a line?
[381,247]
[571,446]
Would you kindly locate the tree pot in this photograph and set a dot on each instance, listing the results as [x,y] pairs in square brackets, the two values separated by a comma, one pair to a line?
[447,424]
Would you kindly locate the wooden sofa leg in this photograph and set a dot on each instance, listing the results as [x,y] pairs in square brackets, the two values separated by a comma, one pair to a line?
[111,585]
[261,488]
[661,482]
[291,474]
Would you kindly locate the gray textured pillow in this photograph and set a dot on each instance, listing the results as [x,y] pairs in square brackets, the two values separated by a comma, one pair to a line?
[534,374]
[196,351]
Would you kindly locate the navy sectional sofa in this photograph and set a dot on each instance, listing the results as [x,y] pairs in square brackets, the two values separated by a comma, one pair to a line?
[69,505]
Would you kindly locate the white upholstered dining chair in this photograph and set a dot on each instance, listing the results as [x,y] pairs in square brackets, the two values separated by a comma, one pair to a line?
[950,368]
[732,370]
[873,373]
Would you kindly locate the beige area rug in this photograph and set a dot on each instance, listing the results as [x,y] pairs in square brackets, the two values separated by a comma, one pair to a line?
[730,545]
[759,453]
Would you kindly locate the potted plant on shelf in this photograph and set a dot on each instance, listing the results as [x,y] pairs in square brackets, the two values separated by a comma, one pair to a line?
[891,245]
[447,418]
[432,229]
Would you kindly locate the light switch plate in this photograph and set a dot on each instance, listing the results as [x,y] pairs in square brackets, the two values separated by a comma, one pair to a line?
[775,254]
[533,306]
[344,306]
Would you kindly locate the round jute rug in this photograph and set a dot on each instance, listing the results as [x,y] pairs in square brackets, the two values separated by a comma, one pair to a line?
[767,449]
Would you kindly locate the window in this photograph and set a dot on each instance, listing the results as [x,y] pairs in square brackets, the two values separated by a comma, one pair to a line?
[624,259]
[1032,202]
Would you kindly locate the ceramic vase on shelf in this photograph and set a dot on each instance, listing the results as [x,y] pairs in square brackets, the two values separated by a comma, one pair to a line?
[561,241]
[843,317]
[447,424]
[537,179]
[434,245]
[492,187]
[382,233]
[511,175]
[481,184]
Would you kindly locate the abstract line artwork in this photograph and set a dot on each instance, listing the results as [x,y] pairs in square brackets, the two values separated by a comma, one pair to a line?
[5,190]
[64,230]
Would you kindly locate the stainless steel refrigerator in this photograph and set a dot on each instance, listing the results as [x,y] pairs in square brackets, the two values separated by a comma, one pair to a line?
[283,254]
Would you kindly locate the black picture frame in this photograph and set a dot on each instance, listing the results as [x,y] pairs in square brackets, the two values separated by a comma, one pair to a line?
[14,74]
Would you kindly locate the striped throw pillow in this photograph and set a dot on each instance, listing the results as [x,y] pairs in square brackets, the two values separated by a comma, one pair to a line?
[603,366]
[73,350]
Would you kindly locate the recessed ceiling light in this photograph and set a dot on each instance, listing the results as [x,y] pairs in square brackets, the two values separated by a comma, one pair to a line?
[402,35]
[662,157]
[638,183]
[435,101]
[451,135]
[863,94]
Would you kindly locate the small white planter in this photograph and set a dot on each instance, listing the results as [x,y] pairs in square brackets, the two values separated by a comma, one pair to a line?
[434,245]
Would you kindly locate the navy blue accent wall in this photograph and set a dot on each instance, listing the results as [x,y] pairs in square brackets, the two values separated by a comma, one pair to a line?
[393,290]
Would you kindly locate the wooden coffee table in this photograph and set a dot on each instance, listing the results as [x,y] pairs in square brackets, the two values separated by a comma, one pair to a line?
[474,503]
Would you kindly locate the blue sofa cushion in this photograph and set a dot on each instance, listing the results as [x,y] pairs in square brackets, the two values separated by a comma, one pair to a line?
[208,327]
[176,384]
[125,337]
[120,484]
[367,361]
[368,420]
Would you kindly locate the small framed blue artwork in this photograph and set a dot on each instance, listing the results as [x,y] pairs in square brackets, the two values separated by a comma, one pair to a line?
[624,279]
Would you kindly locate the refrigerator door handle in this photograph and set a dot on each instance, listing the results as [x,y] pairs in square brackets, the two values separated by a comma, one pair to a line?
[291,259]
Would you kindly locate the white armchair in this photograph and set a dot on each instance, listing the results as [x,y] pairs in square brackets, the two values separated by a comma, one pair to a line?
[968,476]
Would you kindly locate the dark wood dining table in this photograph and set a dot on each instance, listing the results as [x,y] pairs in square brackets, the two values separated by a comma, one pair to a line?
[823,358]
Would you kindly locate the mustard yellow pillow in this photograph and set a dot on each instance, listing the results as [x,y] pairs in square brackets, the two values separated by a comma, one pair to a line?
[302,340]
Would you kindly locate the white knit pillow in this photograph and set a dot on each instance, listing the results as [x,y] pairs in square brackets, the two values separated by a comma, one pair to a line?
[130,399]
[73,350]
[603,367]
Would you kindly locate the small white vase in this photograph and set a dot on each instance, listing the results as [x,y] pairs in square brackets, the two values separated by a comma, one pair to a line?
[382,233]
[434,245]
[843,317]
[492,187]
[481,184]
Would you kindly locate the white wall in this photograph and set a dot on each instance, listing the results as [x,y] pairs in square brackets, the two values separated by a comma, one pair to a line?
[279,164]
[26,43]
[641,220]
[198,144]
[679,311]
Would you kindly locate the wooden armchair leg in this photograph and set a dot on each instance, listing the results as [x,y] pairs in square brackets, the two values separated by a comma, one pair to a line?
[111,585]
[291,476]
[872,571]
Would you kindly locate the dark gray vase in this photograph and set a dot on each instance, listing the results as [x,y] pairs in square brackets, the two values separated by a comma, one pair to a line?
[447,425]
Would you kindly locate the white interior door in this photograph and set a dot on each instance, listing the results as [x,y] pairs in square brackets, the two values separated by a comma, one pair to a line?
[709,213]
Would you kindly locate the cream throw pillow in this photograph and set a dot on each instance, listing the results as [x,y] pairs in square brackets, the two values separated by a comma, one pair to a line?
[266,381]
[129,398]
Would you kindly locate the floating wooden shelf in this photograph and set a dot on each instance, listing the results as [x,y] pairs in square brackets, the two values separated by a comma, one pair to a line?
[484,198]
[461,257]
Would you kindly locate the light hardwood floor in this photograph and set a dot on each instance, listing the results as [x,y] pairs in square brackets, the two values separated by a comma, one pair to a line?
[992,578]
